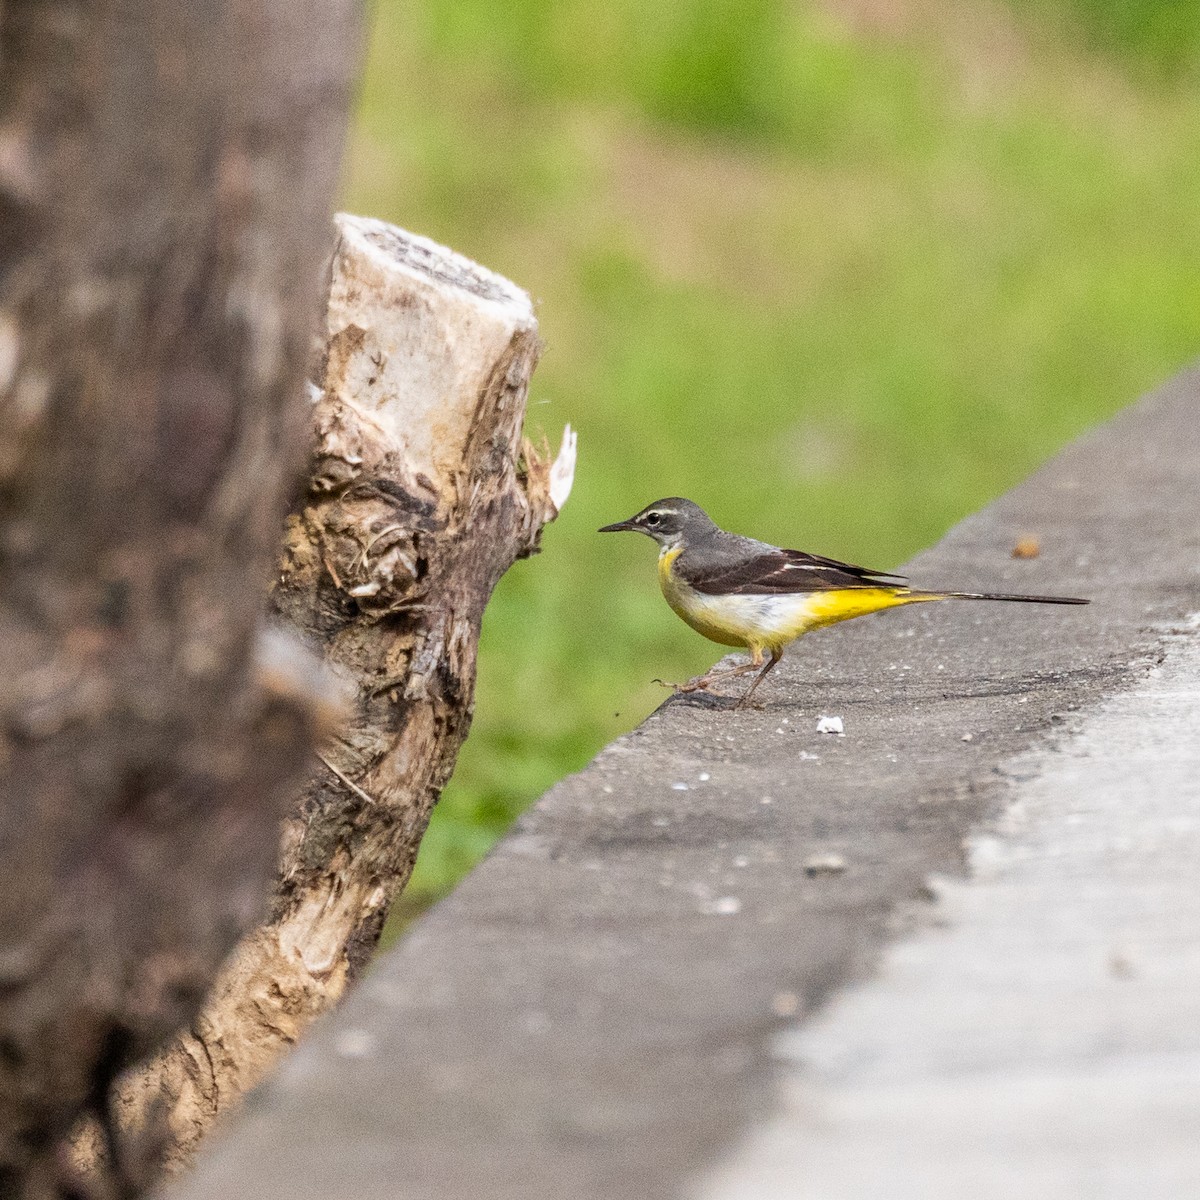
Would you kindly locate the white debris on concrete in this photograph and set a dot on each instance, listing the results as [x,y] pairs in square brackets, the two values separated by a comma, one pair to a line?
[824,864]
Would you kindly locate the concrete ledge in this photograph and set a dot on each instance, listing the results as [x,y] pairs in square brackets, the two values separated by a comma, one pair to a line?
[598,1010]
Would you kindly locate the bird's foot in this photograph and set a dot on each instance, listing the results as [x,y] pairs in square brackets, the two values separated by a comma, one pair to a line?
[701,683]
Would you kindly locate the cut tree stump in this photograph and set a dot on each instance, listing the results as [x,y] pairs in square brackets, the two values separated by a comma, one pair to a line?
[422,492]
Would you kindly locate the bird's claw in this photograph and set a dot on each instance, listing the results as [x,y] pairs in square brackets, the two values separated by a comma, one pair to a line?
[700,684]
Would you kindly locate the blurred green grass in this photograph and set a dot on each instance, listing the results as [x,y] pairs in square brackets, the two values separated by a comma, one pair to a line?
[841,273]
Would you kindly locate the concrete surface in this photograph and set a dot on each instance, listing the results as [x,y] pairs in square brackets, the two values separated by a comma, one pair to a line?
[596,1011]
[1043,1041]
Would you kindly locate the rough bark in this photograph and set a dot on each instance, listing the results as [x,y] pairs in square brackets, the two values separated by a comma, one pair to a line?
[422,492]
[166,172]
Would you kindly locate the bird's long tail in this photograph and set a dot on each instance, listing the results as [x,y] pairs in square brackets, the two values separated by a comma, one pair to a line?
[999,596]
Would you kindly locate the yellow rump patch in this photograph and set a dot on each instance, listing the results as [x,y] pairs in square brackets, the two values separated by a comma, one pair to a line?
[827,608]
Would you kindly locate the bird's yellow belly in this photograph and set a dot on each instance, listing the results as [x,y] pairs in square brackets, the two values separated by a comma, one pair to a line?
[770,621]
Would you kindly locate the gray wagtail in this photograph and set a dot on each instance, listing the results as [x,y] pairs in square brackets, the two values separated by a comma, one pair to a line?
[741,592]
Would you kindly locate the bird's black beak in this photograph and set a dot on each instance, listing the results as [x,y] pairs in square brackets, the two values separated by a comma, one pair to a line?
[617,528]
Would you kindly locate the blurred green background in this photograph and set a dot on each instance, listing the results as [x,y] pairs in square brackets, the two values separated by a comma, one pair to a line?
[840,271]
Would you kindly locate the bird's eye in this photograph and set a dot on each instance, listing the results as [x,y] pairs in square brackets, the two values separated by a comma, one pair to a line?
[653,518]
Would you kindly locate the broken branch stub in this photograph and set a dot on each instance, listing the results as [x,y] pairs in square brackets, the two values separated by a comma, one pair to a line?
[422,492]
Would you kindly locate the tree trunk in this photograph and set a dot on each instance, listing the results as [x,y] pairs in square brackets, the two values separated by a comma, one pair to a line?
[423,491]
[166,172]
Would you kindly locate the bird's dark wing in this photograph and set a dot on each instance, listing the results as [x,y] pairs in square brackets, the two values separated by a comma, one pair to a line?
[775,572]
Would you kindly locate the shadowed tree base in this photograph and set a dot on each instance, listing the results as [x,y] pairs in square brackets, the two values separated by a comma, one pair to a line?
[166,174]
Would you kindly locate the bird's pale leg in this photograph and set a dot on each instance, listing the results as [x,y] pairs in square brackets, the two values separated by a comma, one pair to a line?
[776,655]
[703,682]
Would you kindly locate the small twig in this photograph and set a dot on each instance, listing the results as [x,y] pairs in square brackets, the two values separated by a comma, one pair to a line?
[348,782]
[338,584]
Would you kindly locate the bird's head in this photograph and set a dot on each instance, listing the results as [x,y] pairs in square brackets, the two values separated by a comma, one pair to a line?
[670,522]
